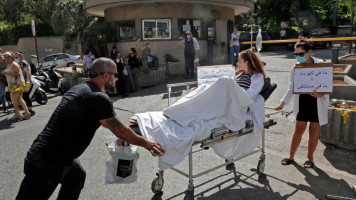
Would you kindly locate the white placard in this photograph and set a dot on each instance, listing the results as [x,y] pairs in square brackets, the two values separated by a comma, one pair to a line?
[308,79]
[186,28]
[209,75]
[196,23]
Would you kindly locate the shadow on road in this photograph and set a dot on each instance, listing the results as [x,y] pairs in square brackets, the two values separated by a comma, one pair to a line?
[341,159]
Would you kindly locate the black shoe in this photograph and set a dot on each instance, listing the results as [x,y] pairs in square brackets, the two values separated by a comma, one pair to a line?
[32,112]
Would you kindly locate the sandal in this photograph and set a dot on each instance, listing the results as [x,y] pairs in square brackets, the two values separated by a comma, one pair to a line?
[287,161]
[15,117]
[308,164]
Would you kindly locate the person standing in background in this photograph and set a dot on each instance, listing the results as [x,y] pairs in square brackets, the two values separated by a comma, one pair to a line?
[26,72]
[113,52]
[2,82]
[235,36]
[87,60]
[283,33]
[190,53]
[121,81]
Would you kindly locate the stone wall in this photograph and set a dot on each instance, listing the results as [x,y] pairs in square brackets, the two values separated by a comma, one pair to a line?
[28,47]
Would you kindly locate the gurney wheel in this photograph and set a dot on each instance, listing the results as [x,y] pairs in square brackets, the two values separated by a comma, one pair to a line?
[189,195]
[157,184]
[261,166]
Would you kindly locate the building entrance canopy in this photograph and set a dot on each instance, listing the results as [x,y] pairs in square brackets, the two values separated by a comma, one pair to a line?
[98,8]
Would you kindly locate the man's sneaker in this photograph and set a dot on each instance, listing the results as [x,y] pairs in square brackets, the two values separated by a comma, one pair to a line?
[32,112]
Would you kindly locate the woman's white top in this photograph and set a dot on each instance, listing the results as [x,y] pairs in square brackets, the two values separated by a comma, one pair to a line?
[322,102]
[11,79]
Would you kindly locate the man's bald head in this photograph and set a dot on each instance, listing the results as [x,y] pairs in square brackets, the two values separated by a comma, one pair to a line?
[102,65]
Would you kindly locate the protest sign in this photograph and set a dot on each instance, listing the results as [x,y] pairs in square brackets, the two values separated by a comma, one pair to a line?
[313,76]
[210,74]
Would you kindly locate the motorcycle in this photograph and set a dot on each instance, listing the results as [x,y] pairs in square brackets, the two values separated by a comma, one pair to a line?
[37,93]
[51,81]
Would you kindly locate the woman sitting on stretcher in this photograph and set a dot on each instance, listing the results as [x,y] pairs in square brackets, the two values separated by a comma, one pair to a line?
[250,73]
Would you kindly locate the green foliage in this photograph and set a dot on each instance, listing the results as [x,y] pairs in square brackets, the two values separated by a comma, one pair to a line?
[11,34]
[299,13]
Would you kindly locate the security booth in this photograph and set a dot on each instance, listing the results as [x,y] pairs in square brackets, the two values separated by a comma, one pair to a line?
[163,24]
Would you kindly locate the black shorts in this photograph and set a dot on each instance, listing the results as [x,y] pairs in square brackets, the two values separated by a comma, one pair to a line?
[308,108]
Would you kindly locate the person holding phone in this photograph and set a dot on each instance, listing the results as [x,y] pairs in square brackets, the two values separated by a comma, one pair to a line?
[235,48]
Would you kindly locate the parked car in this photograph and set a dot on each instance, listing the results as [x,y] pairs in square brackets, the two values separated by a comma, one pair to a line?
[63,60]
[246,37]
[316,33]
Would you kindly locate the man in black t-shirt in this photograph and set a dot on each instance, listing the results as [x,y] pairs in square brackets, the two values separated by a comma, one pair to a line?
[52,158]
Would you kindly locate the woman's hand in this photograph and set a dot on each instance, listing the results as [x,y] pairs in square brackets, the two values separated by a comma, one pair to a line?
[280,107]
[315,94]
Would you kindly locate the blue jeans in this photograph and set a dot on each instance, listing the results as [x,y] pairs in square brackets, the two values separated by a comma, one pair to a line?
[233,50]
[2,94]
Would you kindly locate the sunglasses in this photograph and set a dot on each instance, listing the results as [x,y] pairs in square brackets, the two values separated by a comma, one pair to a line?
[93,75]
[299,54]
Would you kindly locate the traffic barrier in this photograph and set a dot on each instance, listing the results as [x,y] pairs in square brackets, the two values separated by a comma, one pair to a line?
[296,40]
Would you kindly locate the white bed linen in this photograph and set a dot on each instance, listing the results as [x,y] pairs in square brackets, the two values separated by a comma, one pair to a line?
[194,116]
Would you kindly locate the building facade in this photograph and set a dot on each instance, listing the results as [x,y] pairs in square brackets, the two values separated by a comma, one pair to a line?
[163,23]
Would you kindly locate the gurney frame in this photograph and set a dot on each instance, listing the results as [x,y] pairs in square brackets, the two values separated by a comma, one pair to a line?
[217,136]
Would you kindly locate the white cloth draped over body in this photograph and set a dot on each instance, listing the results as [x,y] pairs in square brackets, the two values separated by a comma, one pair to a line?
[194,116]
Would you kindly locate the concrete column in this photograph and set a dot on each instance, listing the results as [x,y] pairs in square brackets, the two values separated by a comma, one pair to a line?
[335,55]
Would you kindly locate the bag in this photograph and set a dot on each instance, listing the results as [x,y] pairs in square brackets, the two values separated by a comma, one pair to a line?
[19,88]
[121,167]
[231,43]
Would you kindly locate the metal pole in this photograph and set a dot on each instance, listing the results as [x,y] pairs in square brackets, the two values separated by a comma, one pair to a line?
[36,48]
[352,30]
[251,36]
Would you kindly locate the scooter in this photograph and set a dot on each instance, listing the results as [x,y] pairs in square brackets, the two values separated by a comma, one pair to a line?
[37,93]
[51,81]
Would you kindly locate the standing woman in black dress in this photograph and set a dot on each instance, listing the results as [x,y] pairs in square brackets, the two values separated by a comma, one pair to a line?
[312,108]
[133,61]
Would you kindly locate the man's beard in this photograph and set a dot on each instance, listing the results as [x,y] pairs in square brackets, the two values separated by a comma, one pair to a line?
[109,86]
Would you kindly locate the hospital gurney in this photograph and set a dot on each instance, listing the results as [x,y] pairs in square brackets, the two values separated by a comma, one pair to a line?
[217,135]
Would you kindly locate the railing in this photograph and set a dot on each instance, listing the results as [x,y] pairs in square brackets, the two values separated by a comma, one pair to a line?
[296,40]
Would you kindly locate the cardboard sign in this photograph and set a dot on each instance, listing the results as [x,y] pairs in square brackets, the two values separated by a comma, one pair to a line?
[314,76]
[210,74]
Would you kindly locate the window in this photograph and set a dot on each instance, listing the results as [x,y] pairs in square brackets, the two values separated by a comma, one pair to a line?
[62,56]
[126,30]
[192,25]
[156,29]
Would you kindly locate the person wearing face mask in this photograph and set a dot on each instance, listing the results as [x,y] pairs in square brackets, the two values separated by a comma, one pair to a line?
[14,76]
[121,81]
[26,71]
[235,48]
[312,108]
[190,53]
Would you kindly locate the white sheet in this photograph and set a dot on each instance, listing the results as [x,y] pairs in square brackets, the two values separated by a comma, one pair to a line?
[194,116]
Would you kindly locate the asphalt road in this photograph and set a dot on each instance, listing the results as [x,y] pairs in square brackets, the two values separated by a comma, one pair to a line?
[335,172]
